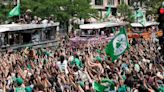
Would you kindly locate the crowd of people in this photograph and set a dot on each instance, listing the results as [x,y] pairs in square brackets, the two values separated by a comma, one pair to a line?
[85,68]
[28,18]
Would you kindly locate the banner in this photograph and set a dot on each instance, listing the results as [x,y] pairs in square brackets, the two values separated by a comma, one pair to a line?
[118,45]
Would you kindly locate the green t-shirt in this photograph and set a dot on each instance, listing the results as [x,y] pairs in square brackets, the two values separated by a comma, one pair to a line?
[20,89]
[82,84]
[99,59]
[19,81]
[77,62]
[161,89]
[47,53]
[14,78]
[35,61]
[29,66]
[39,53]
[44,61]
[73,61]
[28,89]
[98,51]
[124,77]
[105,58]
[122,89]
[22,67]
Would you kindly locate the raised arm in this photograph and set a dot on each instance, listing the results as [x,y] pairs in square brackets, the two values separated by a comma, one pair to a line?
[90,80]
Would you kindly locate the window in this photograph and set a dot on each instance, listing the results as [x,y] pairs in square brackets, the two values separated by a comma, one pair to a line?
[119,2]
[98,2]
[129,2]
[110,2]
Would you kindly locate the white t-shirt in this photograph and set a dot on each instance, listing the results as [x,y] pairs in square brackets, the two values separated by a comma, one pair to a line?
[45,21]
[63,66]
[83,76]
[137,67]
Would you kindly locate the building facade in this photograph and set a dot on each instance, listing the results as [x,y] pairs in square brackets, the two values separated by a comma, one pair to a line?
[102,5]
[105,3]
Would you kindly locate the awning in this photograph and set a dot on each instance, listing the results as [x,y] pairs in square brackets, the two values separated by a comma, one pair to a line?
[17,27]
[101,25]
[4,29]
[92,26]
[147,24]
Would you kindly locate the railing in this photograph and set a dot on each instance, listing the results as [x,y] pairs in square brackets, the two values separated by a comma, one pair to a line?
[51,43]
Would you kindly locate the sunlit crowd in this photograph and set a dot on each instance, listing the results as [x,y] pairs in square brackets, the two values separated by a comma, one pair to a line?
[85,68]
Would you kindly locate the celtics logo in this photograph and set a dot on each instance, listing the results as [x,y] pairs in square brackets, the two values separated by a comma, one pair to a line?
[120,44]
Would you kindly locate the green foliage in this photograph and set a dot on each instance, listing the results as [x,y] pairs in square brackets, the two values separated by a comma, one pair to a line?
[62,10]
[4,11]
[152,6]
[141,2]
[126,12]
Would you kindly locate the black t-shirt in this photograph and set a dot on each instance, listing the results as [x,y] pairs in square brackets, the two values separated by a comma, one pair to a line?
[142,89]
[11,90]
[129,81]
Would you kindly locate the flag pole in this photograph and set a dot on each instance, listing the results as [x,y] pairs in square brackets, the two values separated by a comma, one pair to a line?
[18,3]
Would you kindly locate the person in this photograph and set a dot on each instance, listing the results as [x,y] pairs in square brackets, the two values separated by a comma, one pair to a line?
[82,68]
[50,19]
[28,16]
[62,64]
[45,21]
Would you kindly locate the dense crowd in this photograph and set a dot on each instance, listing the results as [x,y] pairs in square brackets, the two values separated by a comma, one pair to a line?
[83,69]
[28,18]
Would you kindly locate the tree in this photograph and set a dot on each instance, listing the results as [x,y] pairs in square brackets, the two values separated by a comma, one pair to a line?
[4,8]
[126,12]
[141,2]
[63,10]
[152,6]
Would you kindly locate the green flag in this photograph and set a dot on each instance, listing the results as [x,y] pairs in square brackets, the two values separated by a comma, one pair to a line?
[98,87]
[111,84]
[118,45]
[108,11]
[143,20]
[15,11]
[139,13]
